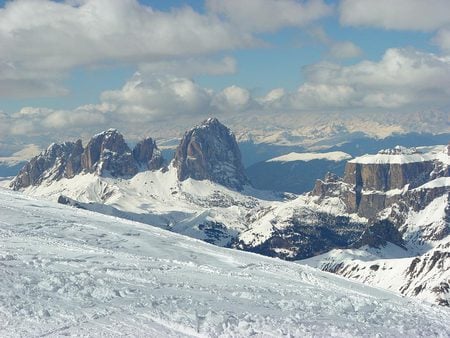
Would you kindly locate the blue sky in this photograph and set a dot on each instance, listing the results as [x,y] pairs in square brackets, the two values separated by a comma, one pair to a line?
[116,61]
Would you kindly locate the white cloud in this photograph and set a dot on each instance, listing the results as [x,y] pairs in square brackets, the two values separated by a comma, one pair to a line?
[269,15]
[233,99]
[403,78]
[41,40]
[422,15]
[442,39]
[152,99]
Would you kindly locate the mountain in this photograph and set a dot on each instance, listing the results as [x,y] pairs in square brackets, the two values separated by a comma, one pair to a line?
[295,172]
[384,201]
[410,190]
[210,151]
[105,154]
[71,272]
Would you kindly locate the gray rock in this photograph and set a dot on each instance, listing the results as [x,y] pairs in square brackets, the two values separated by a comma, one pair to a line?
[107,153]
[56,162]
[147,153]
[210,152]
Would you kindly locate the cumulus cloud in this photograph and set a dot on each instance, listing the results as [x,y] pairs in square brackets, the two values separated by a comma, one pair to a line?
[402,78]
[157,98]
[269,15]
[422,15]
[41,40]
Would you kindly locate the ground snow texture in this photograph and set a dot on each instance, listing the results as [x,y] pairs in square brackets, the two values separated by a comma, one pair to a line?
[66,271]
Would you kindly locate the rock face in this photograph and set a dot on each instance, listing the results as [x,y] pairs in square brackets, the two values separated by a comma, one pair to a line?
[372,183]
[108,153]
[147,153]
[56,162]
[105,154]
[210,152]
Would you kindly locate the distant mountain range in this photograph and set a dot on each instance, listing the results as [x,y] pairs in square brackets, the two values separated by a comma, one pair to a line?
[388,207]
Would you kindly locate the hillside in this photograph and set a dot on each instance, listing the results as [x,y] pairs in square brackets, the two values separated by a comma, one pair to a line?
[74,272]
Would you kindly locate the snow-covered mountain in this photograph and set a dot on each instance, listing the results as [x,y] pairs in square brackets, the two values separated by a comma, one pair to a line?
[68,271]
[381,199]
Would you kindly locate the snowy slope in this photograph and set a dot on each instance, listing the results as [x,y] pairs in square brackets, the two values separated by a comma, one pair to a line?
[68,271]
[421,269]
[160,199]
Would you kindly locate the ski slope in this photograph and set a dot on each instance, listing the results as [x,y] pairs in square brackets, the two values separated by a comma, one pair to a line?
[66,271]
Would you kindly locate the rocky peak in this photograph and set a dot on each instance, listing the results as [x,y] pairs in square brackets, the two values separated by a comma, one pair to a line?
[147,153]
[57,161]
[210,151]
[107,152]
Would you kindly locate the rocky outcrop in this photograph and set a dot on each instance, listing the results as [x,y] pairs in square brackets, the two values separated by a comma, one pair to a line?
[105,154]
[387,176]
[56,162]
[378,234]
[147,154]
[73,165]
[372,183]
[210,152]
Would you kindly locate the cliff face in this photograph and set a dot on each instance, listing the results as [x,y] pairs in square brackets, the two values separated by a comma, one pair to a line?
[105,154]
[108,153]
[147,153]
[372,183]
[387,176]
[210,151]
[56,162]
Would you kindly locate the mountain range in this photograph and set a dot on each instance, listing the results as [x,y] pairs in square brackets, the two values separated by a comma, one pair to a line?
[385,222]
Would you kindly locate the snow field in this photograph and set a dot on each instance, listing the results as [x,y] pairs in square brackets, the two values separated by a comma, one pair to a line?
[67,271]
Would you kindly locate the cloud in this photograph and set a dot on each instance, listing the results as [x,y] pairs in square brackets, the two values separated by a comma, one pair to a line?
[144,100]
[40,41]
[420,15]
[402,79]
[269,15]
[336,49]
[442,39]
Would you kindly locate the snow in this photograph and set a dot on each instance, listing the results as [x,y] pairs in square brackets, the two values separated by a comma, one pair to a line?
[395,265]
[405,155]
[68,271]
[306,157]
[436,183]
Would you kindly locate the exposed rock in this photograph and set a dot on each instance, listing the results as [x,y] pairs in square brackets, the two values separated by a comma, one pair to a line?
[147,153]
[378,234]
[374,182]
[107,153]
[56,162]
[210,152]
[387,176]
[73,166]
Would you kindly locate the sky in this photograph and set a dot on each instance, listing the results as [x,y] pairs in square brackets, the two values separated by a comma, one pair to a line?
[73,67]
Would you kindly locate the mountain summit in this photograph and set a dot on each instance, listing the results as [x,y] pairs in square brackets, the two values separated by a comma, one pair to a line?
[209,151]
[106,153]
